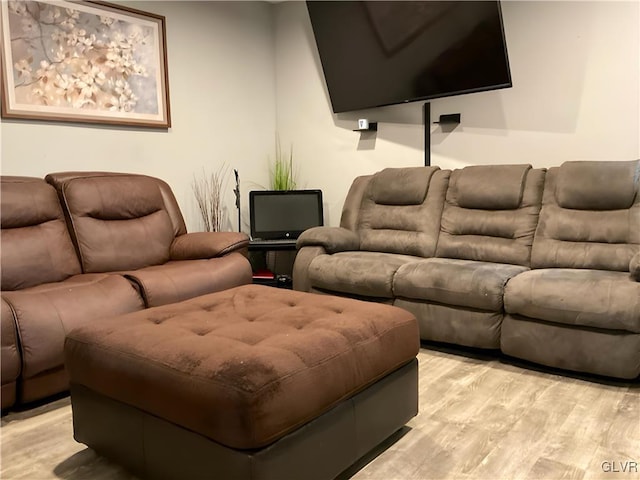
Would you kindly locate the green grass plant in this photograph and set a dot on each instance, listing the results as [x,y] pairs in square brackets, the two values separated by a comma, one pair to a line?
[283,176]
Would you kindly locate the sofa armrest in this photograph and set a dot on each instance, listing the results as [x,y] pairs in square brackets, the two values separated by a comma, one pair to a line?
[193,246]
[634,267]
[332,239]
[304,257]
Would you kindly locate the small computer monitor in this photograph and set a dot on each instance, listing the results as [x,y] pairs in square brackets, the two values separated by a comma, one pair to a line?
[284,215]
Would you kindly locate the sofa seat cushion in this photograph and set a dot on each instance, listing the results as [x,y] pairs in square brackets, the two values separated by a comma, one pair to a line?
[460,283]
[45,313]
[368,274]
[587,298]
[180,280]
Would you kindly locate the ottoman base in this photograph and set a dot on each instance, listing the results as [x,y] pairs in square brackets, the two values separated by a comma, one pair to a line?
[323,448]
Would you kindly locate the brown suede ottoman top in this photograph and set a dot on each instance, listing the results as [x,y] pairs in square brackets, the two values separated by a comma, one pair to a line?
[243,366]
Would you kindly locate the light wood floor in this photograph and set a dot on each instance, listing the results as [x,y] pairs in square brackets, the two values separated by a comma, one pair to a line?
[480,418]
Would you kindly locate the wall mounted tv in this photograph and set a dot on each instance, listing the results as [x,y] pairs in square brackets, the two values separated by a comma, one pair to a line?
[377,53]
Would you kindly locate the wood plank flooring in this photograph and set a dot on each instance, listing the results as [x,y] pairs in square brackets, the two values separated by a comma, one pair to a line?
[481,417]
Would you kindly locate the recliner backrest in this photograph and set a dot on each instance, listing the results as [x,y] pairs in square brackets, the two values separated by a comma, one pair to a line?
[353,202]
[118,221]
[35,245]
[400,210]
[590,216]
[490,213]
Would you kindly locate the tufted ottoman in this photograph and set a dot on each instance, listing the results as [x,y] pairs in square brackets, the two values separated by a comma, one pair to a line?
[250,383]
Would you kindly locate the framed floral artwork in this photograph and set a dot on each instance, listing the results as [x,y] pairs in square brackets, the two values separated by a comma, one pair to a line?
[83,62]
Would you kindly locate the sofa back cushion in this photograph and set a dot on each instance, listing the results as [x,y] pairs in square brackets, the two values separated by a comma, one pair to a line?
[491,187]
[590,216]
[36,246]
[118,221]
[400,210]
[490,213]
[353,202]
[597,185]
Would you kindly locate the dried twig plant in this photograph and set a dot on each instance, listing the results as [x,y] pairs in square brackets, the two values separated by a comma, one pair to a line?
[208,190]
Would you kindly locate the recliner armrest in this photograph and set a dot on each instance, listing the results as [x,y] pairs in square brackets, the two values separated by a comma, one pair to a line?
[333,239]
[197,245]
[634,267]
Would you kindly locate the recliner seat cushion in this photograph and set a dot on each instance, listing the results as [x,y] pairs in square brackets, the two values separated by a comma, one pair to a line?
[45,313]
[460,283]
[184,279]
[361,273]
[586,298]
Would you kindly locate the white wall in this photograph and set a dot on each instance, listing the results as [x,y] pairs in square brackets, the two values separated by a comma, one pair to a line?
[222,87]
[240,71]
[575,69]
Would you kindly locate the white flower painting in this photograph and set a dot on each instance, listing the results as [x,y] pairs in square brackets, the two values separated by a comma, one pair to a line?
[83,62]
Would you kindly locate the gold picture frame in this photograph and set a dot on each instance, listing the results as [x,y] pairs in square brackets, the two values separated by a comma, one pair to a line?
[89,62]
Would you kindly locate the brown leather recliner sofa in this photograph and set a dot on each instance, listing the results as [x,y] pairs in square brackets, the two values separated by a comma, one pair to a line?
[542,264]
[79,246]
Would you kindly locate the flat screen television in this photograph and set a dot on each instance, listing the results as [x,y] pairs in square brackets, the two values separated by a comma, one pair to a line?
[377,53]
[284,215]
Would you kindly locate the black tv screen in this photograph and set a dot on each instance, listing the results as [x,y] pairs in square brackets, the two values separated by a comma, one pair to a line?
[379,53]
[285,214]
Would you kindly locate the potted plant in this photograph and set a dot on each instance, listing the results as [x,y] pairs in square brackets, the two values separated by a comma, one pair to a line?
[282,173]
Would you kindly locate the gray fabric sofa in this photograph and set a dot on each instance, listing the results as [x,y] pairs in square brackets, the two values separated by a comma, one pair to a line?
[544,265]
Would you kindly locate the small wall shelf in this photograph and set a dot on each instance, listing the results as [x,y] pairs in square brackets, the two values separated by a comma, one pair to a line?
[373,127]
[449,118]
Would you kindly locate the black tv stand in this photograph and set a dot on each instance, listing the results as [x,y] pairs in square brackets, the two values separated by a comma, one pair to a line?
[283,255]
[265,245]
